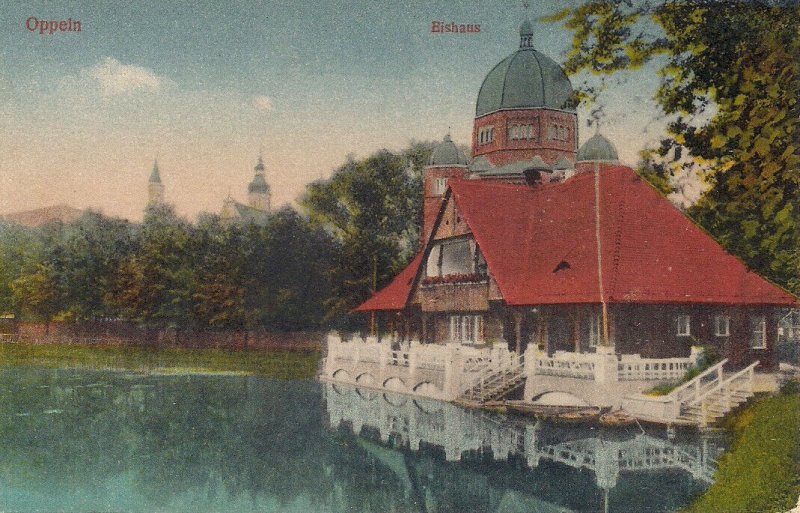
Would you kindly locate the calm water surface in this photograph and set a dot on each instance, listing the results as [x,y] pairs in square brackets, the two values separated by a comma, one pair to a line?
[114,441]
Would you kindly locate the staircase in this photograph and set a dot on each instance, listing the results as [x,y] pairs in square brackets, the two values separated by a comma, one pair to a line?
[493,384]
[713,394]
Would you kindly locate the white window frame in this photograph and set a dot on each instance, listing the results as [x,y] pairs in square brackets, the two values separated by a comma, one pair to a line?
[467,329]
[722,325]
[758,335]
[439,185]
[684,325]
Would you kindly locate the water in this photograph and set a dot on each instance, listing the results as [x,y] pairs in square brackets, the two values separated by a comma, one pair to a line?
[113,441]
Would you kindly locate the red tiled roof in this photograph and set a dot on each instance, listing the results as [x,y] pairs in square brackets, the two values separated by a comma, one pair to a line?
[650,251]
[540,245]
[395,295]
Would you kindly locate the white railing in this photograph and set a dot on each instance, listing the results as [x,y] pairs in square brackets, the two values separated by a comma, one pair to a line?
[566,364]
[634,367]
[700,386]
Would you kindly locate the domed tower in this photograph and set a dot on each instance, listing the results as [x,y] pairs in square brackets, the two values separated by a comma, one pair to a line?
[446,161]
[525,108]
[597,150]
[155,189]
[258,191]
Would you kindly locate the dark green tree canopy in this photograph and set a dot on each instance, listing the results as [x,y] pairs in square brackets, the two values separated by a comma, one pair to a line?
[373,207]
[729,75]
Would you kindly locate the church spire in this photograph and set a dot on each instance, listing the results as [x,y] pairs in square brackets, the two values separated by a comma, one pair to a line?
[155,176]
[155,189]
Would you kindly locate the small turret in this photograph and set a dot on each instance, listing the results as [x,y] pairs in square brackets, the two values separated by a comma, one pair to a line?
[258,194]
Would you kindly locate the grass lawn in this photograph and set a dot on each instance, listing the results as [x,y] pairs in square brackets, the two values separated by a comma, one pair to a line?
[271,364]
[761,473]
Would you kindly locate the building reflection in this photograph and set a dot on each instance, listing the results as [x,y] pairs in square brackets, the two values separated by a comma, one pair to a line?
[462,435]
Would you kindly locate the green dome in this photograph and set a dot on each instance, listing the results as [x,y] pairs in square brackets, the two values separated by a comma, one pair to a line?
[259,184]
[525,79]
[562,164]
[597,148]
[447,154]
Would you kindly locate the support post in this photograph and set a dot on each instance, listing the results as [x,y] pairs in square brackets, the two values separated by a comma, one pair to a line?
[518,330]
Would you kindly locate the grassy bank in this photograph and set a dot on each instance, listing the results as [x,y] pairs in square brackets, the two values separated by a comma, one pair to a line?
[271,364]
[761,473]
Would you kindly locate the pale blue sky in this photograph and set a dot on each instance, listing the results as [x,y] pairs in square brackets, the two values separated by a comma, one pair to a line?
[204,87]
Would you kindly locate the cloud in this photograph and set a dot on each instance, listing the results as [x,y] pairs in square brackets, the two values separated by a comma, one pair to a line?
[116,78]
[262,103]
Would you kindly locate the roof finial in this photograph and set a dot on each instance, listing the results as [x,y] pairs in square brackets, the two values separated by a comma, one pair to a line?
[260,165]
[526,29]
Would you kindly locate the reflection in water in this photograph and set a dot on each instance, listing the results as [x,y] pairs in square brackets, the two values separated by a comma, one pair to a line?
[624,459]
[108,441]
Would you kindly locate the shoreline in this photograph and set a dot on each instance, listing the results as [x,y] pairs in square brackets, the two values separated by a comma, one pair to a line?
[270,363]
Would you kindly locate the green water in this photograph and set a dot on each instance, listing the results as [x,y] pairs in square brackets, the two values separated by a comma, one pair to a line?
[77,440]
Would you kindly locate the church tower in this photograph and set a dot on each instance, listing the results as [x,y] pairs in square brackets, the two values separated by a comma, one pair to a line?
[258,195]
[525,109]
[155,189]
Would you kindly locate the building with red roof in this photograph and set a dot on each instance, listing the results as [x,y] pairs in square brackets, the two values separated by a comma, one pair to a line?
[537,246]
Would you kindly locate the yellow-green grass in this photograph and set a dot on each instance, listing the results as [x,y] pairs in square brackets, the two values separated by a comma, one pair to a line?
[272,364]
[761,472]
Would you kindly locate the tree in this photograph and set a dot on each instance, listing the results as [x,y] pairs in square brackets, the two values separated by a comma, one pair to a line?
[91,251]
[218,296]
[20,249]
[154,283]
[729,77]
[372,207]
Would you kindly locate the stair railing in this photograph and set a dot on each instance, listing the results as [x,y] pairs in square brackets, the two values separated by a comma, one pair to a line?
[745,375]
[698,386]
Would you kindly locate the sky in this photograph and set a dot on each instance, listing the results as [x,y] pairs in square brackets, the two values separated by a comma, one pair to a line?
[206,88]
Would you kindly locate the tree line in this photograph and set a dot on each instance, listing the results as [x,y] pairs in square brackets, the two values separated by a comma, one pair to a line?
[290,272]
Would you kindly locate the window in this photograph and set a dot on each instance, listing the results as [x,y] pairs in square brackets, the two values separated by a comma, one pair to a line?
[466,329]
[758,340]
[684,326]
[439,186]
[558,132]
[486,134]
[518,132]
[722,325]
[457,256]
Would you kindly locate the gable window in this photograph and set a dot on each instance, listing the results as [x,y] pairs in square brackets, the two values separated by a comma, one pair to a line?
[439,186]
[466,329]
[684,326]
[459,256]
[758,338]
[722,325]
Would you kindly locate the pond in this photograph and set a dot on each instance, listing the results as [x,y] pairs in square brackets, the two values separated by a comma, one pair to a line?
[78,440]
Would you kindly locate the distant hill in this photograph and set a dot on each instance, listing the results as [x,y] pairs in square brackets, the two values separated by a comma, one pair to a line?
[42,216]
